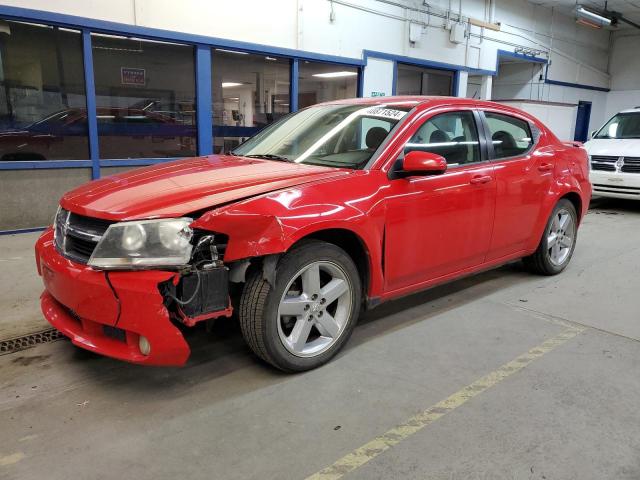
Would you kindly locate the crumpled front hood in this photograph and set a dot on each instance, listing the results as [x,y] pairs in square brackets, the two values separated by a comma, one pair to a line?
[183,186]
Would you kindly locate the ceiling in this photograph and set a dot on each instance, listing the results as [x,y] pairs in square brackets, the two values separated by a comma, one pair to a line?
[628,8]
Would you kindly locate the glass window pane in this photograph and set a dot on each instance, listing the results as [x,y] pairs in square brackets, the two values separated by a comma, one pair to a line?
[452,135]
[249,92]
[510,136]
[42,99]
[423,81]
[622,125]
[323,82]
[145,97]
[330,135]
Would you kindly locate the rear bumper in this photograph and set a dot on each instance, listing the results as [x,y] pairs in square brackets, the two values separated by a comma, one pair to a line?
[615,184]
[108,312]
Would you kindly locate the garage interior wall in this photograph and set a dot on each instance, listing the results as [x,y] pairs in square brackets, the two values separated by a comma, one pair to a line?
[577,57]
[624,67]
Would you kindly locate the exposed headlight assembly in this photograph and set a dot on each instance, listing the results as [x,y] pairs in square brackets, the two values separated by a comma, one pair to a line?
[144,244]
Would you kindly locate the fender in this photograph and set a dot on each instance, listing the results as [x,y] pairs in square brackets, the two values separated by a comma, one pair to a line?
[271,224]
[560,188]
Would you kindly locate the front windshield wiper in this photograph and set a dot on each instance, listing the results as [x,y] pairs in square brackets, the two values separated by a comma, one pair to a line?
[268,156]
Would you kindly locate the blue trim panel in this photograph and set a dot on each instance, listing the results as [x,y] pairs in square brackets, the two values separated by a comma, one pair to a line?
[412,61]
[447,66]
[423,63]
[90,86]
[294,74]
[203,100]
[521,56]
[45,164]
[22,230]
[576,85]
[114,28]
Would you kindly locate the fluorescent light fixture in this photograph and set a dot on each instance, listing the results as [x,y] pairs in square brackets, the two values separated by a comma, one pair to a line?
[592,17]
[106,35]
[33,24]
[136,39]
[231,51]
[232,98]
[271,59]
[335,74]
[230,84]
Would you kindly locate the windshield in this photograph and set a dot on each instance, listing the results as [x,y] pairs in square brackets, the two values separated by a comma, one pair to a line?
[622,125]
[330,135]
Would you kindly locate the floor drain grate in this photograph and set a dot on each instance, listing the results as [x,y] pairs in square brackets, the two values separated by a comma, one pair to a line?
[28,341]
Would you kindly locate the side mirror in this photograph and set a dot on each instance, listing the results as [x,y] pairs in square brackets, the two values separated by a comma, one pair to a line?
[417,162]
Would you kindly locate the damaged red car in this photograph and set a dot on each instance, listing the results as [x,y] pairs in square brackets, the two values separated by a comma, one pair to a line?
[325,213]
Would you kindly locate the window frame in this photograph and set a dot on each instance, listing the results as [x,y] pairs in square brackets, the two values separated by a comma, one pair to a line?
[533,129]
[422,119]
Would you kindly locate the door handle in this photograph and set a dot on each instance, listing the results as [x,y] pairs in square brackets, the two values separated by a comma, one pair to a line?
[545,167]
[479,179]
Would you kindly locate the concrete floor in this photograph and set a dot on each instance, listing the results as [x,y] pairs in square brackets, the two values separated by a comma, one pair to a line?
[572,413]
[20,286]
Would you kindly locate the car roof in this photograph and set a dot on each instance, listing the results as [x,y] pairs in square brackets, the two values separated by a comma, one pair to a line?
[424,101]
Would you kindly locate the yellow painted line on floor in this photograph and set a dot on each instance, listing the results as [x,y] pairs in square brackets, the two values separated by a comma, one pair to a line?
[375,447]
[11,459]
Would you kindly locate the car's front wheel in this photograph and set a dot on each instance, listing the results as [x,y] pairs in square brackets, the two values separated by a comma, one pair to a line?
[558,241]
[304,319]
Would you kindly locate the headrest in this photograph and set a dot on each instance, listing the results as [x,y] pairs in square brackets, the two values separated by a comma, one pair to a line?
[375,136]
[438,136]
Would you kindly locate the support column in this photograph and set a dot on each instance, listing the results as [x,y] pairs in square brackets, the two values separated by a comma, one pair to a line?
[293,86]
[461,84]
[203,100]
[92,119]
[485,87]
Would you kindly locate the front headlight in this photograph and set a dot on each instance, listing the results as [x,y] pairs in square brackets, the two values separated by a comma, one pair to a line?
[144,244]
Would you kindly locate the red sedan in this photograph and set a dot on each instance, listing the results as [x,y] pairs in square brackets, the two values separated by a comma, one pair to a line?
[326,212]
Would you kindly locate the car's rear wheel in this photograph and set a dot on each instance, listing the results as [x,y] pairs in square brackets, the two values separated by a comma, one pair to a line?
[558,241]
[307,316]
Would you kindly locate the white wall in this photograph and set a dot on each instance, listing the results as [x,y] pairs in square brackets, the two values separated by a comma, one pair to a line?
[625,73]
[561,119]
[576,53]
[521,81]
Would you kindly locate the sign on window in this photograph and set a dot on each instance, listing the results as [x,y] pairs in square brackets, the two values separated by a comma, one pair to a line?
[132,76]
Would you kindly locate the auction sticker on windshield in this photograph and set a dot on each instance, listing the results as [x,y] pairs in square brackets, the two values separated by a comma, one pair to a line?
[384,112]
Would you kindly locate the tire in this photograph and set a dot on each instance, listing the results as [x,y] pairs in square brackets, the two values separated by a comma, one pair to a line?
[319,324]
[551,259]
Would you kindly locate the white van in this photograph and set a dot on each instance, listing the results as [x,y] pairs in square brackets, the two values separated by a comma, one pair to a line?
[614,154]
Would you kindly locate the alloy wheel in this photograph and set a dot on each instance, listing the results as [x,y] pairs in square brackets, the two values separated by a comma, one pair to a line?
[314,309]
[560,237]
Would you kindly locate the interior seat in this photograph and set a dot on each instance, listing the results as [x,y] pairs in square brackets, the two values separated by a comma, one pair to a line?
[375,136]
[504,144]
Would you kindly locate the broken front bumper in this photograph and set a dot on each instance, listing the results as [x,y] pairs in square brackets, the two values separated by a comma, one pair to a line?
[108,312]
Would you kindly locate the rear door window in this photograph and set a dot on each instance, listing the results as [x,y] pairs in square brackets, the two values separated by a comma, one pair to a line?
[510,136]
